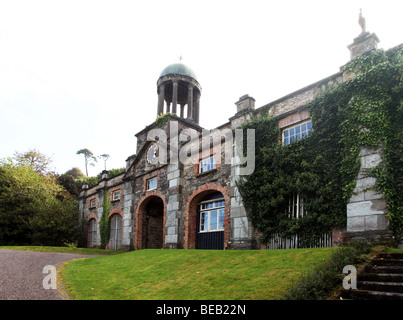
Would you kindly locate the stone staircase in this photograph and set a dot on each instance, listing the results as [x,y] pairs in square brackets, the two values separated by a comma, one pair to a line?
[380,279]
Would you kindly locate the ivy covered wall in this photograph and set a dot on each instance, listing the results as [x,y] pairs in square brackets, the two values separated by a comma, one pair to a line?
[364,111]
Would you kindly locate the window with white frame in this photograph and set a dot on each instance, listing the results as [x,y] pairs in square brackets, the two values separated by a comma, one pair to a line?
[297,132]
[152,183]
[212,214]
[116,195]
[92,203]
[296,206]
[207,164]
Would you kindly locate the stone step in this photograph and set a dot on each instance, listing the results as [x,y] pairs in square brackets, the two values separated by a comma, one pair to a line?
[391,255]
[384,269]
[381,286]
[387,262]
[359,294]
[382,277]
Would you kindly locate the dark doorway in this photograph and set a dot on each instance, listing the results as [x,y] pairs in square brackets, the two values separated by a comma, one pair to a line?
[210,222]
[153,224]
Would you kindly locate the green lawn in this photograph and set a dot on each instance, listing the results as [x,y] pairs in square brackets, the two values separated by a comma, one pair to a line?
[189,274]
[89,251]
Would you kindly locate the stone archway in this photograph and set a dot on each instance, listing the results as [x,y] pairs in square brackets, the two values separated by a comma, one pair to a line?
[192,223]
[150,222]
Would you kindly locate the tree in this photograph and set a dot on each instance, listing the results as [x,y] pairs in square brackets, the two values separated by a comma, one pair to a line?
[34,208]
[39,161]
[105,157]
[72,181]
[88,157]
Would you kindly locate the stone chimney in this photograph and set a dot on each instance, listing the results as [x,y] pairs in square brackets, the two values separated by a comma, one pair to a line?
[365,42]
[245,102]
[105,175]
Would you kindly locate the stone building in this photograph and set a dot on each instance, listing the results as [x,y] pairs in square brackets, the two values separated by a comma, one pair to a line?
[162,202]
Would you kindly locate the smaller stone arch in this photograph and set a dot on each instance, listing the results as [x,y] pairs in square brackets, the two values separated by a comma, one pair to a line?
[92,231]
[116,229]
[150,222]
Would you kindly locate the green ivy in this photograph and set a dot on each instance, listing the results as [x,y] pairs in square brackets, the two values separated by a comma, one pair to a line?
[104,224]
[162,119]
[364,111]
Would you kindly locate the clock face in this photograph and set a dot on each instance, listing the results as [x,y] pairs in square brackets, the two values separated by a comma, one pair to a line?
[152,153]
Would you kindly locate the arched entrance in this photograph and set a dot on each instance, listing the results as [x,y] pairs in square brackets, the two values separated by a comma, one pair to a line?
[150,224]
[210,222]
[115,239]
[207,218]
[92,233]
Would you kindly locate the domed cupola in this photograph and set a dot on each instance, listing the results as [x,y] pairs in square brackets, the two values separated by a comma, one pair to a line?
[178,84]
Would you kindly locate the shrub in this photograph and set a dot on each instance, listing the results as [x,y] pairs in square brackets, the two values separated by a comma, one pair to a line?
[323,279]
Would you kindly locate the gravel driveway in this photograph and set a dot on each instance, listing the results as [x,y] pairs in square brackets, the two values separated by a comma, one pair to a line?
[21,276]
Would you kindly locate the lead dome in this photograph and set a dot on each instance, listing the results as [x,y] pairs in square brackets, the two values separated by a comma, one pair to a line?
[178,85]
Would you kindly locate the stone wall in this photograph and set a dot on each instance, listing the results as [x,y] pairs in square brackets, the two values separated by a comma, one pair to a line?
[366,210]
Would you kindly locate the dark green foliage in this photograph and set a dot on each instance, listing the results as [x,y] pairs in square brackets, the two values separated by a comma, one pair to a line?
[321,280]
[364,111]
[34,208]
[104,224]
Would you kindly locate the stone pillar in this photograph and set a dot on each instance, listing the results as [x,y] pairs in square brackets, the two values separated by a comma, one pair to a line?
[173,210]
[366,210]
[128,208]
[174,96]
[168,106]
[182,110]
[241,227]
[196,109]
[190,102]
[161,98]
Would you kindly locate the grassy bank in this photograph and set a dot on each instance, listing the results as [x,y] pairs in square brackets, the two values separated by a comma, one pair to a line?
[190,274]
[89,251]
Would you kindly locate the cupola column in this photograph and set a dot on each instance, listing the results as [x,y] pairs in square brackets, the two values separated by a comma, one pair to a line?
[161,99]
[190,102]
[196,109]
[174,95]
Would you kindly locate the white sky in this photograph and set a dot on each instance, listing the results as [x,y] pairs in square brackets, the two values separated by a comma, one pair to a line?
[82,74]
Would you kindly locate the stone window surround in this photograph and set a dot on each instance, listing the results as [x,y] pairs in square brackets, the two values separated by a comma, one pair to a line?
[92,199]
[148,176]
[197,166]
[294,119]
[112,190]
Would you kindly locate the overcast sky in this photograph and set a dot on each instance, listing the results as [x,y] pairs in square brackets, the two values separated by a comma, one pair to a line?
[82,74]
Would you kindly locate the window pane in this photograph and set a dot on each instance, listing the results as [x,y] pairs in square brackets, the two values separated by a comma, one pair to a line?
[203,225]
[297,130]
[309,124]
[221,219]
[303,127]
[286,141]
[285,133]
[219,204]
[152,184]
[298,136]
[292,131]
[213,220]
